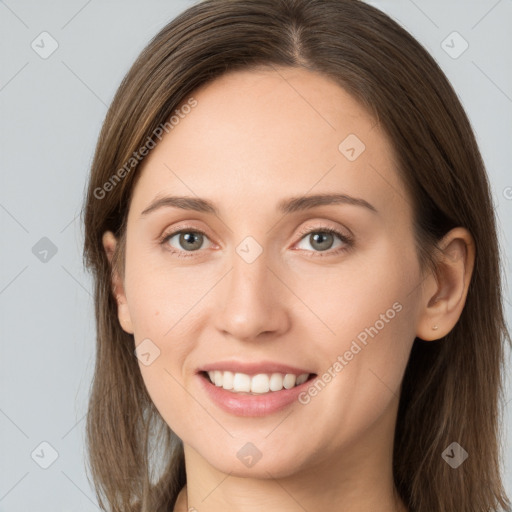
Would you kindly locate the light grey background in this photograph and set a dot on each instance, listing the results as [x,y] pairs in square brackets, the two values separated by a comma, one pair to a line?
[51,114]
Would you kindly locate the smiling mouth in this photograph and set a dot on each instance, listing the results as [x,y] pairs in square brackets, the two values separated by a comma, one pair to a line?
[259,384]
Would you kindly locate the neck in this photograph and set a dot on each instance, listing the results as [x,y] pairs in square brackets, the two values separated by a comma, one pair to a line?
[391,502]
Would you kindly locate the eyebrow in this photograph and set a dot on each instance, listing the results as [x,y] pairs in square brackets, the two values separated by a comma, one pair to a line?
[286,206]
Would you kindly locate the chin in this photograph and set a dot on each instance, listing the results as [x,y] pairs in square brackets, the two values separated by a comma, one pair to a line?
[249,461]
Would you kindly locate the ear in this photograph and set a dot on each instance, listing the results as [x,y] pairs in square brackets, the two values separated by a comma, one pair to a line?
[123,313]
[444,294]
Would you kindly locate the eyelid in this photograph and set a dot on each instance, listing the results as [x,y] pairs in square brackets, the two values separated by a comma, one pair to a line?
[322,226]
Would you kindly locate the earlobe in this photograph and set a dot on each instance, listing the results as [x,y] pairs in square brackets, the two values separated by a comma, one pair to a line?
[444,294]
[109,244]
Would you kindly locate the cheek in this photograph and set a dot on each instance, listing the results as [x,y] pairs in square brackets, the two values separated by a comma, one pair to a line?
[360,384]
[164,308]
[160,294]
[343,301]
[163,337]
[370,313]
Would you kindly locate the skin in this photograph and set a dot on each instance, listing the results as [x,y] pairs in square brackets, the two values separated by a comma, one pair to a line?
[255,138]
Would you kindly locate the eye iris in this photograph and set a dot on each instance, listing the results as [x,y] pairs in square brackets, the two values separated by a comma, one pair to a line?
[320,238]
[190,238]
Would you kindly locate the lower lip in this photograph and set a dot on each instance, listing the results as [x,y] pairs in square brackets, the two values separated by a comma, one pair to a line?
[252,405]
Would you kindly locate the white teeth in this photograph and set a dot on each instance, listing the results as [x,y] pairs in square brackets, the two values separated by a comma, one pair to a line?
[289,381]
[276,382]
[241,382]
[258,384]
[227,380]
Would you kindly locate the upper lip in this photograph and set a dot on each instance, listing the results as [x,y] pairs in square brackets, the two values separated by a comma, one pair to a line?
[252,368]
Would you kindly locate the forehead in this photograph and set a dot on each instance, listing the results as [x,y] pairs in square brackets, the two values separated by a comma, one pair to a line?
[268,133]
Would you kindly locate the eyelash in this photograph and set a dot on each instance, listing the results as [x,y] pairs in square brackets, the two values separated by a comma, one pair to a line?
[347,240]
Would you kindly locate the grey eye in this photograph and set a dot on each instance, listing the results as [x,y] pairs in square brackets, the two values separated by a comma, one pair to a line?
[188,240]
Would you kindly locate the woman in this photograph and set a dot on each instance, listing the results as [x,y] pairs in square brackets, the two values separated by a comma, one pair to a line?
[298,296]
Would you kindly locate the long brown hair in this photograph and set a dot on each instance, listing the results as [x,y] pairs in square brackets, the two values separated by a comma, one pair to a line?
[452,388]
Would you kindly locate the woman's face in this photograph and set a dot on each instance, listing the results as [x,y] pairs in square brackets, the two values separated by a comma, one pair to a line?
[260,287]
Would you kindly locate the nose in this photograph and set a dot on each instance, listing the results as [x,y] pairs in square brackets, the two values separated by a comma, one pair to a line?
[252,302]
